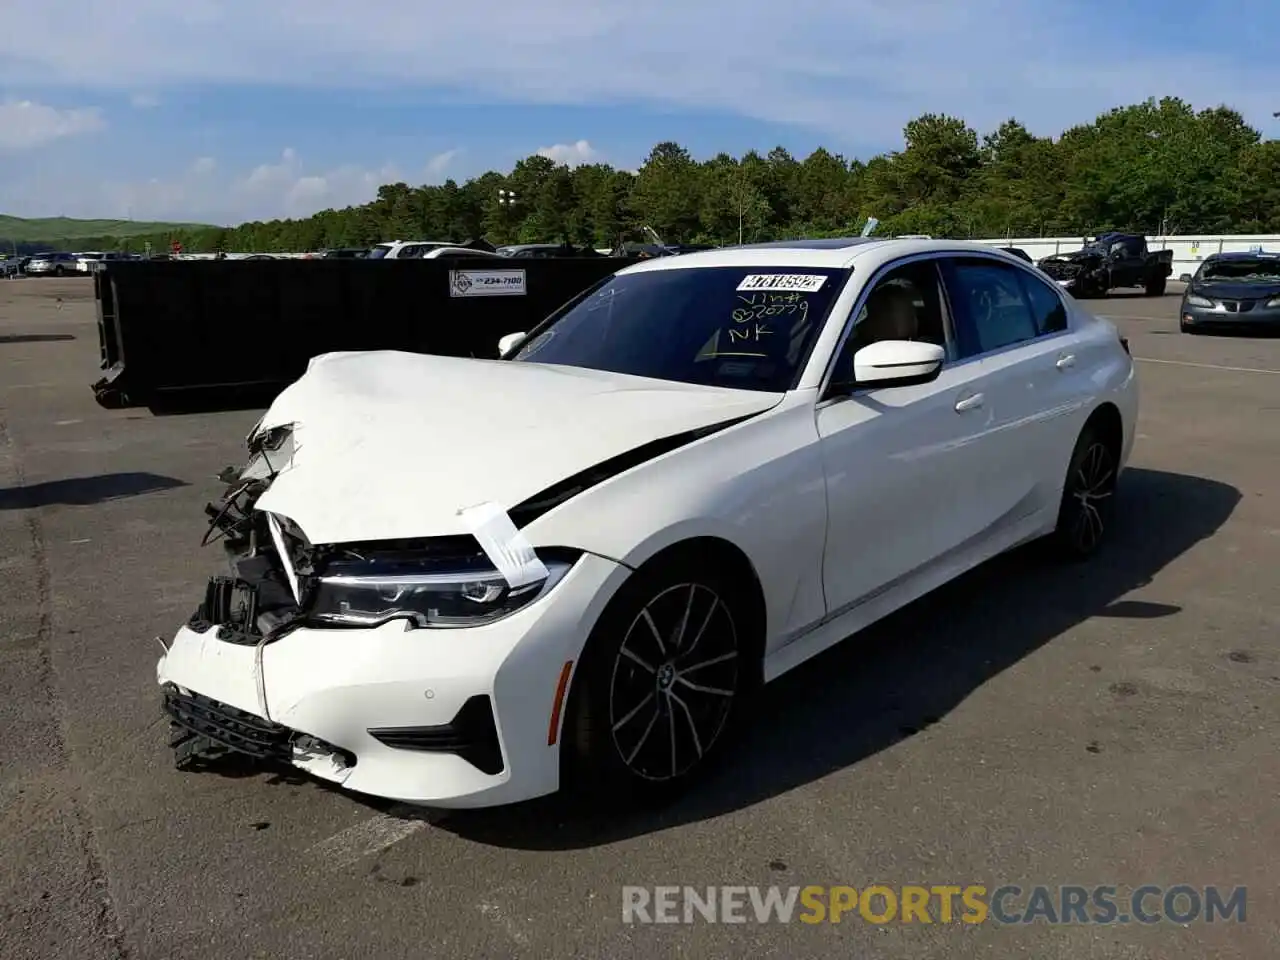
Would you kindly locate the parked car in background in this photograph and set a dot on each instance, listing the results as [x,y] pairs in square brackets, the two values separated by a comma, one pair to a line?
[51,265]
[436,253]
[1110,261]
[344,253]
[546,250]
[690,479]
[1233,292]
[9,266]
[405,249]
[88,262]
[538,250]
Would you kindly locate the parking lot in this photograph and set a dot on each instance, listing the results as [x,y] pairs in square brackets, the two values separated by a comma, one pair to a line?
[1110,724]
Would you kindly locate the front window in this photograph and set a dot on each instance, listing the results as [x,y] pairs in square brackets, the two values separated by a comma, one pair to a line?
[380,251]
[748,328]
[1237,270]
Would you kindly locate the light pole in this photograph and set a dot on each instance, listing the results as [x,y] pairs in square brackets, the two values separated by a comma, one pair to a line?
[507,201]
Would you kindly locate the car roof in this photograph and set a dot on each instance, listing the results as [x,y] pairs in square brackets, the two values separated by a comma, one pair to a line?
[442,251]
[824,253]
[1243,255]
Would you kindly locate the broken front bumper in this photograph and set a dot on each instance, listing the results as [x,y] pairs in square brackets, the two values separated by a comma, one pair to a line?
[450,718]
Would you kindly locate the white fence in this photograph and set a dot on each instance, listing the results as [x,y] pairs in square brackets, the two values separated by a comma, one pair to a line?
[1188,251]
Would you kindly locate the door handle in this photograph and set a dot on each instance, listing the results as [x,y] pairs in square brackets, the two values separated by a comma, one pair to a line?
[1066,361]
[971,402]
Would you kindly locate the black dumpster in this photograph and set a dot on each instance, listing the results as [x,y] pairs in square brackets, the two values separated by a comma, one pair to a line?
[221,327]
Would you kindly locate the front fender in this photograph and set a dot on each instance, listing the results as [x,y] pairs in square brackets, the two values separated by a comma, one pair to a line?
[759,485]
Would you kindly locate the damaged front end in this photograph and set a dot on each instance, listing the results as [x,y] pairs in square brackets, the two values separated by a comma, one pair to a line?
[269,557]
[1075,272]
[215,689]
[259,601]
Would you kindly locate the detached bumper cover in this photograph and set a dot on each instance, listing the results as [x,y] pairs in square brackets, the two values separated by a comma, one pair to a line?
[450,718]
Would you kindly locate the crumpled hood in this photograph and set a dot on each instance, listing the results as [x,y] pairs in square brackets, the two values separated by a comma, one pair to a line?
[390,445]
[1067,266]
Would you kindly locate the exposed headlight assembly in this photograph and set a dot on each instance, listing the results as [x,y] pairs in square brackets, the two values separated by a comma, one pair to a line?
[1274,302]
[369,592]
[1198,301]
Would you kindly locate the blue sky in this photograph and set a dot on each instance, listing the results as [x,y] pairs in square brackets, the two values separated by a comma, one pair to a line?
[226,110]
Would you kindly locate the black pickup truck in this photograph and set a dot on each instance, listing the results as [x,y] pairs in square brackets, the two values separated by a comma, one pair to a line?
[1110,261]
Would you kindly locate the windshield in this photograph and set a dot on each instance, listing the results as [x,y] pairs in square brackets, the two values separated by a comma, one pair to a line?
[378,252]
[1262,269]
[748,328]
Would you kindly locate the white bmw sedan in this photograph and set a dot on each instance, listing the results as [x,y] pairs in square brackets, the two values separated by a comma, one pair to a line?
[461,582]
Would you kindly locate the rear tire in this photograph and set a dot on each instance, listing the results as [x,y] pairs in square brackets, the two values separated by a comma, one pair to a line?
[1155,286]
[662,686]
[1087,509]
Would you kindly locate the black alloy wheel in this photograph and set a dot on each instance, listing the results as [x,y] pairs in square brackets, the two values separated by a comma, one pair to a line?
[661,686]
[1087,510]
[674,680]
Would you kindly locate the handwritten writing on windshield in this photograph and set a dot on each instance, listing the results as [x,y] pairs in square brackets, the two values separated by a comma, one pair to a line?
[756,313]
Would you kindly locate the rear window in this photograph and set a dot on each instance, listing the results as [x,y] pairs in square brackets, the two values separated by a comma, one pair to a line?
[749,328]
[380,251]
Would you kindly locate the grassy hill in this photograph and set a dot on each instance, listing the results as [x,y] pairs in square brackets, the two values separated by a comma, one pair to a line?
[19,230]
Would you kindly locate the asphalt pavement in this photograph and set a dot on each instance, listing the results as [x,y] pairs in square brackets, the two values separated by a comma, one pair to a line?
[1115,723]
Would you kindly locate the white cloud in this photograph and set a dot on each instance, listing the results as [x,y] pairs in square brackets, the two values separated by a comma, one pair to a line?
[25,124]
[203,191]
[439,164]
[856,70]
[285,187]
[571,154]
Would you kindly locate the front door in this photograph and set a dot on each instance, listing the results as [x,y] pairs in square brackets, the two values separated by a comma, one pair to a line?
[900,462]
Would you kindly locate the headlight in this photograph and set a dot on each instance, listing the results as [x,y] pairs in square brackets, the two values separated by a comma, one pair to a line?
[1195,301]
[1274,302]
[380,592]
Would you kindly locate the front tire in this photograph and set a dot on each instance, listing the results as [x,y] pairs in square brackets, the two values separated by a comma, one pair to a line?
[1155,287]
[1091,288]
[1087,509]
[662,685]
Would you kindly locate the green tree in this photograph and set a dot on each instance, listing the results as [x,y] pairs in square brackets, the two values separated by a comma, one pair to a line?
[1146,166]
[668,191]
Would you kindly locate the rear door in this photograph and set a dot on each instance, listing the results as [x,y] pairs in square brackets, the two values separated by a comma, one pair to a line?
[1014,328]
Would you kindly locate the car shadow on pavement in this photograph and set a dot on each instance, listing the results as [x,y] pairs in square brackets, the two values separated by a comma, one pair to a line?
[902,674]
[84,491]
[35,337]
[185,403]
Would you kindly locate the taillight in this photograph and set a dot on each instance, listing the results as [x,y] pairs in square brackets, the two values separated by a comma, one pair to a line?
[1124,342]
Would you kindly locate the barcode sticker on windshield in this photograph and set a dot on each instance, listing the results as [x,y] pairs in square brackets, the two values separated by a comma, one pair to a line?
[802,282]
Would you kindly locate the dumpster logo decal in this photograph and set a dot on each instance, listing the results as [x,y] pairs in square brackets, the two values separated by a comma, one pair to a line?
[486,283]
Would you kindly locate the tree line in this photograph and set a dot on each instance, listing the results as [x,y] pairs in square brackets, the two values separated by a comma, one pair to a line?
[1154,167]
